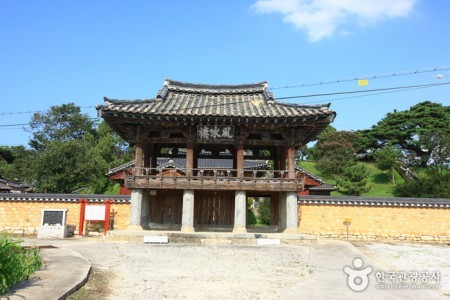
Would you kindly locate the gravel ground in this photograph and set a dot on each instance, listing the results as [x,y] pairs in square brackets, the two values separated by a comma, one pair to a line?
[179,271]
[197,271]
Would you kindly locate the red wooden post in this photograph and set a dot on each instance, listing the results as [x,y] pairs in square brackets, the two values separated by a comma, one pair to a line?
[82,210]
[107,214]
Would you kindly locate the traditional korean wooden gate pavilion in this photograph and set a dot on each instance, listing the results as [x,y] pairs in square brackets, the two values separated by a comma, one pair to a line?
[238,122]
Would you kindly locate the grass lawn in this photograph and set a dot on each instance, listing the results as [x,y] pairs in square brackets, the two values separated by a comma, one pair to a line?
[380,182]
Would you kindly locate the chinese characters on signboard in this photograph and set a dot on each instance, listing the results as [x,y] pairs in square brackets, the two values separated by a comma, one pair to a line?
[215,132]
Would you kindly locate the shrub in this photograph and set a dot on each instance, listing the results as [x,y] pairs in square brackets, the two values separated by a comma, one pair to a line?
[251,218]
[354,180]
[264,211]
[16,262]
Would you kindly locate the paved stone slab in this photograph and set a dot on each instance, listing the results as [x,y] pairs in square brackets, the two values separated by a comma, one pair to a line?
[268,242]
[64,272]
[156,239]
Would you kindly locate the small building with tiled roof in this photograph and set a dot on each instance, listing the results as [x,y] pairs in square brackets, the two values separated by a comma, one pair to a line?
[314,185]
[244,121]
[12,186]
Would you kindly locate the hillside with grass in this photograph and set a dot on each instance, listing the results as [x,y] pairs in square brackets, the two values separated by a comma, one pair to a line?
[380,182]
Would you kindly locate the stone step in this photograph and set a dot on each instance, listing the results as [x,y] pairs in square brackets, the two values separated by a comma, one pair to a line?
[213,238]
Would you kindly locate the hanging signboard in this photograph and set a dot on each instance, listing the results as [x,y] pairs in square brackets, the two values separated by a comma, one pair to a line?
[215,132]
[95,213]
[363,82]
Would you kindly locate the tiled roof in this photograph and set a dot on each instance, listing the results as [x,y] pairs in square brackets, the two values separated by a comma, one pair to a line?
[374,201]
[8,185]
[29,197]
[200,100]
[322,187]
[203,163]
[4,187]
[310,175]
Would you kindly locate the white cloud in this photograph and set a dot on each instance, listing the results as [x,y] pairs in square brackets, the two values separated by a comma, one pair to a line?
[323,18]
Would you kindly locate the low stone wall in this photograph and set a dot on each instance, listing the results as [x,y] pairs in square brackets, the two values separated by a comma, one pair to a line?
[22,214]
[25,217]
[426,220]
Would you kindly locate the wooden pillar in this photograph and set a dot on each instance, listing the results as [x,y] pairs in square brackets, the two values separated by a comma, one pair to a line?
[290,155]
[147,155]
[282,157]
[195,160]
[240,160]
[189,158]
[153,158]
[276,158]
[138,151]
[274,209]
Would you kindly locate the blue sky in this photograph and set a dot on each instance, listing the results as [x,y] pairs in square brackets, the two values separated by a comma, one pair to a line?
[55,52]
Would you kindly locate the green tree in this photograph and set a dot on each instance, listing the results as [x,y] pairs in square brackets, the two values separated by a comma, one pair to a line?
[67,166]
[6,154]
[434,181]
[71,152]
[387,159]
[18,165]
[431,184]
[60,123]
[110,151]
[353,181]
[410,131]
[336,151]
[264,213]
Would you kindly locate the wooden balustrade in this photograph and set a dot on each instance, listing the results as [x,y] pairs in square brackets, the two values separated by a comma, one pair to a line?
[213,179]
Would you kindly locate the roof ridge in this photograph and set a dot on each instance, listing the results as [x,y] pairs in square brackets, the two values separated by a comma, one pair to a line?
[135,101]
[324,105]
[182,84]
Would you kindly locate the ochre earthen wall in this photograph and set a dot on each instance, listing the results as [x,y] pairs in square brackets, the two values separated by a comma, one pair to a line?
[25,216]
[368,222]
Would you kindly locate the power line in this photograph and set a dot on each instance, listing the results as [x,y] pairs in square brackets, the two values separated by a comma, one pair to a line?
[397,89]
[10,125]
[33,111]
[369,95]
[364,91]
[376,76]
[28,125]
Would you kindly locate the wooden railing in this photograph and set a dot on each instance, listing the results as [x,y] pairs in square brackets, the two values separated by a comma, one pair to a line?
[214,179]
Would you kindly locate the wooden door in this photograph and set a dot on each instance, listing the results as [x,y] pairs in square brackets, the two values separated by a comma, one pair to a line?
[166,207]
[214,208]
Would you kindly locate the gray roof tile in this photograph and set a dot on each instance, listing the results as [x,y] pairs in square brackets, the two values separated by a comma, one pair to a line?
[187,99]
